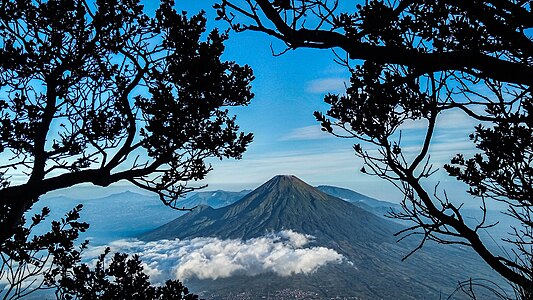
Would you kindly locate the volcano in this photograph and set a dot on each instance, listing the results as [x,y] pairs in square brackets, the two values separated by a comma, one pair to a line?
[373,266]
[284,202]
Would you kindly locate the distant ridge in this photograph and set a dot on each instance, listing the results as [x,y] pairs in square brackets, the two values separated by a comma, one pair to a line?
[215,199]
[351,196]
[377,207]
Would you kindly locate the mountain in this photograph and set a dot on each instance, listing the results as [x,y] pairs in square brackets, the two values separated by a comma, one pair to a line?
[117,216]
[111,217]
[352,196]
[281,203]
[493,238]
[349,195]
[215,199]
[373,268]
[377,207]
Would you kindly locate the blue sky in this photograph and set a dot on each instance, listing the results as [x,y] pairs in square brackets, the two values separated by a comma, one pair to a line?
[288,140]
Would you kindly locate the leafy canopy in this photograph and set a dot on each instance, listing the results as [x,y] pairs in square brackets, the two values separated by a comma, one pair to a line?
[98,92]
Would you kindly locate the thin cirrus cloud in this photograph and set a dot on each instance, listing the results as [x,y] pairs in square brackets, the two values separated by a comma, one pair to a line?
[308,164]
[283,253]
[306,133]
[327,85]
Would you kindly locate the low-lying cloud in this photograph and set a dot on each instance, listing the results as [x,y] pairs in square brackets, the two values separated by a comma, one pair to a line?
[282,253]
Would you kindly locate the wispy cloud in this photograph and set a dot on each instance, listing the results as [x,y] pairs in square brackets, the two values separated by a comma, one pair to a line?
[313,132]
[448,120]
[327,85]
[283,253]
[333,161]
[310,164]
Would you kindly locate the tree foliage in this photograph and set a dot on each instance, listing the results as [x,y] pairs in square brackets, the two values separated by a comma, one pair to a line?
[98,92]
[122,278]
[421,59]
[52,261]
[26,256]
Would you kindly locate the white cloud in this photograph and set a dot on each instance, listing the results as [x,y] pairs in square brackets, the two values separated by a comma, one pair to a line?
[283,253]
[310,166]
[455,120]
[313,132]
[329,163]
[327,85]
[333,161]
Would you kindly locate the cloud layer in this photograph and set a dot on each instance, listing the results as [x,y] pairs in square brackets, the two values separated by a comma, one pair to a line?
[282,253]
